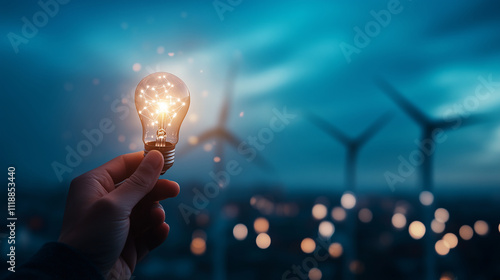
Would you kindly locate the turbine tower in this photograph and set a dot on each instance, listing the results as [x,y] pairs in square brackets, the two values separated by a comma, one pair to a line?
[353,146]
[427,126]
[223,136]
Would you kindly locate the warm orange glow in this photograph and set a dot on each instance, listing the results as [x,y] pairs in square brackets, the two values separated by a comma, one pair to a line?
[447,276]
[308,245]
[326,229]
[426,198]
[261,225]
[193,140]
[481,227]
[198,246]
[437,226]
[319,211]
[466,232]
[441,215]
[416,230]
[338,214]
[450,240]
[348,200]
[315,274]
[240,232]
[335,250]
[356,267]
[207,147]
[399,220]
[136,67]
[263,241]
[216,159]
[365,215]
[441,248]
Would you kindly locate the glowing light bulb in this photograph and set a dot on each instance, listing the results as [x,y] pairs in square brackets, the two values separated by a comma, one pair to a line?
[162,102]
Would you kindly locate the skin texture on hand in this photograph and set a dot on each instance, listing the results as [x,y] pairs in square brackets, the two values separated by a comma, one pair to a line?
[116,225]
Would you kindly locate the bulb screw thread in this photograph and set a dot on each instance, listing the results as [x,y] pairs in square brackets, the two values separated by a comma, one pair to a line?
[167,152]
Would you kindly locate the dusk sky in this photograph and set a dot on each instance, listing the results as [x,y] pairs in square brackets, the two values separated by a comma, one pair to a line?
[75,72]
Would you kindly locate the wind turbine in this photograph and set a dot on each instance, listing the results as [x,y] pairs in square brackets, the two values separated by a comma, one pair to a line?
[427,126]
[222,135]
[353,146]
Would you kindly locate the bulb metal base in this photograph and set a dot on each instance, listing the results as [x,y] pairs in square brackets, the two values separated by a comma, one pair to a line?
[168,153]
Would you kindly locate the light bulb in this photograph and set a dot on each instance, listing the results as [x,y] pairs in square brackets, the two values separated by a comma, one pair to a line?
[162,101]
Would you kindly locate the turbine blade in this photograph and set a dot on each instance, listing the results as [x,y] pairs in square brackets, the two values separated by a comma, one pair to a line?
[203,137]
[466,120]
[329,129]
[416,114]
[375,127]
[235,142]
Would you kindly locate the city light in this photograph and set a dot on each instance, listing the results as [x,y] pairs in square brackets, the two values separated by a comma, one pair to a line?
[308,245]
[261,225]
[240,232]
[416,230]
[399,220]
[263,240]
[348,200]
[319,211]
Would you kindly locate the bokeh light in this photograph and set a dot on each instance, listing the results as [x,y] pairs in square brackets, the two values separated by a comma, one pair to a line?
[399,220]
[356,267]
[240,231]
[441,215]
[326,229]
[466,232]
[426,198]
[437,226]
[136,67]
[263,240]
[335,250]
[315,274]
[348,200]
[481,227]
[198,246]
[338,214]
[193,140]
[261,225]
[307,245]
[416,230]
[450,240]
[319,211]
[441,248]
[365,215]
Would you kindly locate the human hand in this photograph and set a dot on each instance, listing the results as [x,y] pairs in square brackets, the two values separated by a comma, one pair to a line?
[115,226]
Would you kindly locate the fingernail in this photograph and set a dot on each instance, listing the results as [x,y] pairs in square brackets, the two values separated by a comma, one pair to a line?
[158,205]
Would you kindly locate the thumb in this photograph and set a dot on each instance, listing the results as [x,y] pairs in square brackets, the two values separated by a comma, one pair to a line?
[140,183]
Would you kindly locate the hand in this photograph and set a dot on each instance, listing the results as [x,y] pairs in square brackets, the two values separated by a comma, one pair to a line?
[117,225]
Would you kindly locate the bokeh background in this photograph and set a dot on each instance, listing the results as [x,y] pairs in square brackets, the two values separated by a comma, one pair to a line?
[292,213]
